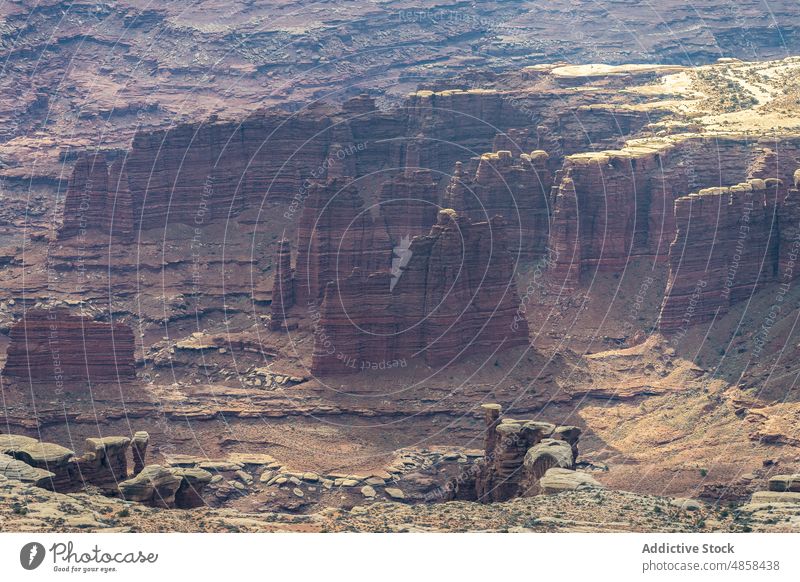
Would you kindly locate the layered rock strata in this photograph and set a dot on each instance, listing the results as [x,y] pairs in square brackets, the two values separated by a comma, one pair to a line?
[282,287]
[516,188]
[729,243]
[409,203]
[98,203]
[54,347]
[103,464]
[336,234]
[457,284]
[611,206]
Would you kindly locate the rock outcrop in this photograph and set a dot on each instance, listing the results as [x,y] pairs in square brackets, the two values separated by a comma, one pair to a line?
[139,444]
[336,234]
[728,244]
[54,347]
[11,468]
[103,464]
[459,283]
[98,203]
[516,188]
[155,486]
[105,461]
[558,480]
[282,287]
[518,455]
[611,206]
[193,481]
[409,204]
[785,483]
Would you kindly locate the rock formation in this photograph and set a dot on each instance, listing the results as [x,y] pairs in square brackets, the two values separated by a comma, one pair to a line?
[56,348]
[459,283]
[139,444]
[611,206]
[518,455]
[98,202]
[558,480]
[409,203]
[103,464]
[516,188]
[728,244]
[335,235]
[282,287]
[193,481]
[155,486]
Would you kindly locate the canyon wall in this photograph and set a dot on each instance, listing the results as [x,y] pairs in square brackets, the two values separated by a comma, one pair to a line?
[516,188]
[282,287]
[730,241]
[614,205]
[54,348]
[98,201]
[335,235]
[455,297]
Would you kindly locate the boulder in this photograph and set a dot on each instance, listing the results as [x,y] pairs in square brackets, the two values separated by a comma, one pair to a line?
[548,454]
[557,480]
[154,486]
[193,481]
[785,483]
[11,468]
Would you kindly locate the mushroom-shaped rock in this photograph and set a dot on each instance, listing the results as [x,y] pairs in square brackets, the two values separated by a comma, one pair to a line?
[107,447]
[44,455]
[547,454]
[557,480]
[193,480]
[155,486]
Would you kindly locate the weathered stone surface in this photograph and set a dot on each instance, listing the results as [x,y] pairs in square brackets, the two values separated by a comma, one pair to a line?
[155,486]
[56,347]
[193,481]
[785,483]
[727,245]
[14,442]
[282,287]
[516,188]
[557,480]
[105,461]
[547,454]
[395,493]
[336,234]
[409,203]
[776,497]
[98,202]
[505,470]
[12,468]
[367,323]
[139,449]
[612,205]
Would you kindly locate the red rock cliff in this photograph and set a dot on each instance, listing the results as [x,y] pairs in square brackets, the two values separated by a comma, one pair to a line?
[54,347]
[455,296]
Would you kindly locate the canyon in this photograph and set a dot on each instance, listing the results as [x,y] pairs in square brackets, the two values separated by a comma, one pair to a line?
[489,279]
